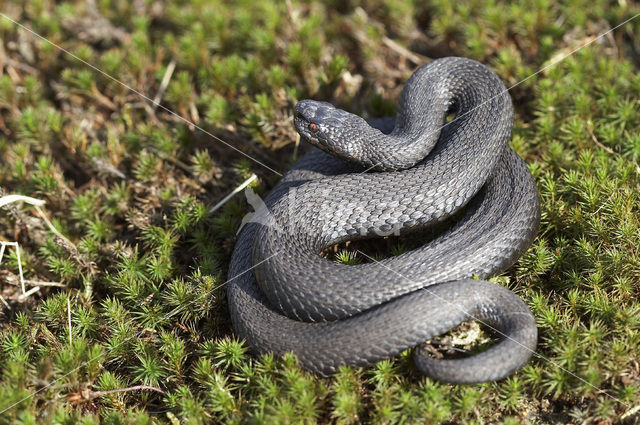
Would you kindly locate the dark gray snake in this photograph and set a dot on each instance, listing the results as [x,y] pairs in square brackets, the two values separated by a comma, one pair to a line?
[284,296]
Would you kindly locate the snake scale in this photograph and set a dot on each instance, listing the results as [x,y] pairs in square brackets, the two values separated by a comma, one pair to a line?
[366,179]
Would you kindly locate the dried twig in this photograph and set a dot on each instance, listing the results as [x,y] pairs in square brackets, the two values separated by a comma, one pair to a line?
[597,142]
[293,14]
[236,190]
[104,166]
[403,51]
[19,65]
[14,280]
[606,148]
[43,283]
[87,395]
[164,83]
[629,413]
[27,294]
[37,203]
[69,318]
[5,302]
[93,27]
[128,389]
[3,245]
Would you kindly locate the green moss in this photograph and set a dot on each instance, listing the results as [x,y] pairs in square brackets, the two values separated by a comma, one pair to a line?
[131,186]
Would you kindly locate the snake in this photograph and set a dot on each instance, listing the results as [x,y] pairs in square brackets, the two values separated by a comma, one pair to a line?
[444,157]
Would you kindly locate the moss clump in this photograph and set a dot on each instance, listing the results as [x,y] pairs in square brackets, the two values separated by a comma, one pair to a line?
[131,185]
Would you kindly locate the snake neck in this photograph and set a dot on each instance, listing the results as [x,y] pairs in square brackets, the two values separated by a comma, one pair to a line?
[461,86]
[405,146]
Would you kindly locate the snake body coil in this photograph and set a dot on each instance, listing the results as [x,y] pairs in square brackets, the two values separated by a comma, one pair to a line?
[284,296]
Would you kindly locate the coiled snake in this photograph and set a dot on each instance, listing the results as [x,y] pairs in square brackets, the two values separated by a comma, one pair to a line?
[284,296]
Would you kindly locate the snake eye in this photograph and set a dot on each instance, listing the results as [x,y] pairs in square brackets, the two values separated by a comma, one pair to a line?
[313,127]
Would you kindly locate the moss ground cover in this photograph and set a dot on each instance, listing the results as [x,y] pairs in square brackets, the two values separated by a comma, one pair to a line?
[130,185]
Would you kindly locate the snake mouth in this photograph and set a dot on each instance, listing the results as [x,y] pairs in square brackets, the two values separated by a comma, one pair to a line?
[302,124]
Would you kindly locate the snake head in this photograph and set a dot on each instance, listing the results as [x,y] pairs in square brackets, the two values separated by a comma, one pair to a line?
[329,128]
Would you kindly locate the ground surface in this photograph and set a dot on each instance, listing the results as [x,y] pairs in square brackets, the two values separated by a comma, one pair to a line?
[130,185]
